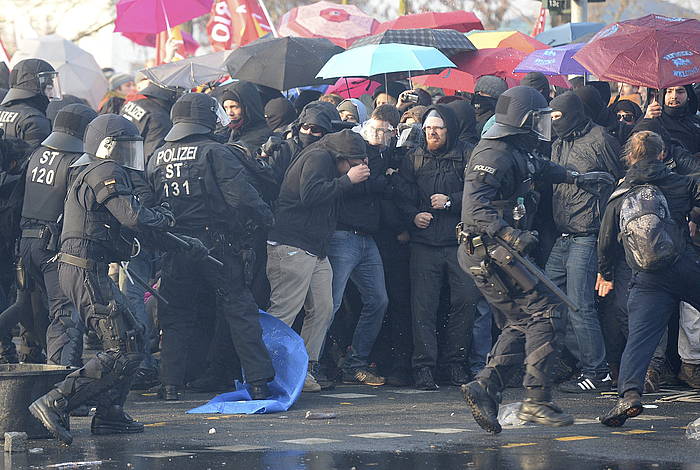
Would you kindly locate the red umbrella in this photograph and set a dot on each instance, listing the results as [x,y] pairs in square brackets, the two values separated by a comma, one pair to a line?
[352,87]
[154,16]
[460,20]
[341,24]
[653,51]
[473,64]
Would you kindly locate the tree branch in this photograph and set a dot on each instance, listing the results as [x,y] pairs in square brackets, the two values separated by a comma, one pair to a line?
[92,31]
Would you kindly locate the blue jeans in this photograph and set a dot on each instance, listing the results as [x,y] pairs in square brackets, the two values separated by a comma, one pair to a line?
[481,337]
[572,265]
[142,266]
[356,257]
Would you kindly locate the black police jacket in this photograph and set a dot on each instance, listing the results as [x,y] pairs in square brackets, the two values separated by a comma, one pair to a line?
[205,185]
[500,171]
[682,195]
[46,183]
[590,148]
[100,204]
[22,121]
[152,120]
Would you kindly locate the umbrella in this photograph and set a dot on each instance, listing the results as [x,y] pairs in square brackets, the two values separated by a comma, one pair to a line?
[353,87]
[554,61]
[341,24]
[513,39]
[281,63]
[447,41]
[154,16]
[377,59]
[653,51]
[568,33]
[459,20]
[471,65]
[79,73]
[189,73]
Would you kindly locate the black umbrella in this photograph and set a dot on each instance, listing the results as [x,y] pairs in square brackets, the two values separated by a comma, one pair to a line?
[281,63]
[448,41]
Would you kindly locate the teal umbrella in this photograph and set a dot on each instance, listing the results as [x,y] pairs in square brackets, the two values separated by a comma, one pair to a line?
[378,59]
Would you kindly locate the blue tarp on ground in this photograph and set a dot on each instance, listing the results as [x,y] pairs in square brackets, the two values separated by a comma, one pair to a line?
[290,360]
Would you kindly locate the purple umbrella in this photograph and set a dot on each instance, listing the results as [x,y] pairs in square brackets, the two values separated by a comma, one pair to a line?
[554,61]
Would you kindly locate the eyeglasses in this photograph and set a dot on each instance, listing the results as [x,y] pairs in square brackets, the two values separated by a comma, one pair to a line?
[313,128]
[625,117]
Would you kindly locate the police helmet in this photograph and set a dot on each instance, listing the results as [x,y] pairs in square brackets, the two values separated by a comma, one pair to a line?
[32,77]
[154,91]
[195,113]
[113,137]
[69,128]
[521,110]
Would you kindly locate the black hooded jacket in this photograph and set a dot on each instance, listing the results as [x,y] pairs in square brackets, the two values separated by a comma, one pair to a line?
[279,113]
[682,194]
[581,146]
[307,212]
[253,132]
[466,120]
[152,118]
[439,172]
[683,124]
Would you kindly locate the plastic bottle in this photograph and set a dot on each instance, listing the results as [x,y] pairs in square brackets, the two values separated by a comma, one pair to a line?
[519,210]
[693,430]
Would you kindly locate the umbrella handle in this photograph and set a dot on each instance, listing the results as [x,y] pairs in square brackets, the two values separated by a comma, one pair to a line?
[165,15]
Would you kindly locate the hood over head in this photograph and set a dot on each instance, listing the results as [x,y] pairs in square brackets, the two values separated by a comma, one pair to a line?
[279,112]
[466,119]
[248,96]
[306,97]
[319,113]
[690,108]
[538,81]
[628,106]
[573,116]
[356,107]
[603,89]
[593,105]
[345,144]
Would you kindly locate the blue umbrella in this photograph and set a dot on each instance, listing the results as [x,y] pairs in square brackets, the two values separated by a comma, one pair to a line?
[554,61]
[377,59]
[567,33]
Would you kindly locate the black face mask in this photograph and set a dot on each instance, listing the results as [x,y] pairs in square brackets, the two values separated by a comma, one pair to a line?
[573,117]
[308,139]
[678,111]
[483,104]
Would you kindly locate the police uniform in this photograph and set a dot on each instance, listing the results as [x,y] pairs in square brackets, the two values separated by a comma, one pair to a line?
[100,217]
[208,191]
[151,115]
[48,177]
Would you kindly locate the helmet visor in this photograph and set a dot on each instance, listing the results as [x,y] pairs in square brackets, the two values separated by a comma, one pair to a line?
[127,151]
[50,85]
[221,116]
[542,123]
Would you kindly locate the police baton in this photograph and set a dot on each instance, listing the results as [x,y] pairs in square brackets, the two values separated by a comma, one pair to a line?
[537,272]
[186,246]
[135,279]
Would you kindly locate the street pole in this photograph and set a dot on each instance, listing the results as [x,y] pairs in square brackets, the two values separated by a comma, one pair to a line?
[579,11]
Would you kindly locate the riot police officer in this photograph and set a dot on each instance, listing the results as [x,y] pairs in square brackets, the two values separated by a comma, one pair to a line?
[47,179]
[151,115]
[206,187]
[33,82]
[498,201]
[100,217]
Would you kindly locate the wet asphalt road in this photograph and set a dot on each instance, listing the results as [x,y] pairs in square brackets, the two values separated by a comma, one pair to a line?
[380,428]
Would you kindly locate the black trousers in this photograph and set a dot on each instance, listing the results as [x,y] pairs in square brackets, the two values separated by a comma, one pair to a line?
[183,279]
[106,378]
[430,267]
[527,322]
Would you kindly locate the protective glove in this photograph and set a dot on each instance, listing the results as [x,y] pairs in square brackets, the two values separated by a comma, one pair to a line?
[197,250]
[271,146]
[164,210]
[521,240]
[593,182]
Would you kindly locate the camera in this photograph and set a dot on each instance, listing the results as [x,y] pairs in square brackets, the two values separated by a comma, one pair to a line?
[410,97]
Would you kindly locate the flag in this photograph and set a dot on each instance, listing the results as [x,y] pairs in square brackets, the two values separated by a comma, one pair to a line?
[235,23]
[539,24]
[3,54]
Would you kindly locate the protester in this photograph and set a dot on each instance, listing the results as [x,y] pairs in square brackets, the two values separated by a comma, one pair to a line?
[352,110]
[486,92]
[279,114]
[121,85]
[676,109]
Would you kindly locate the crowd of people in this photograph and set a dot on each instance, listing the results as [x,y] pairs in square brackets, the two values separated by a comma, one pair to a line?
[406,235]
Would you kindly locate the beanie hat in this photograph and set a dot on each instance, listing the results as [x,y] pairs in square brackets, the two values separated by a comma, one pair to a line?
[538,81]
[490,85]
[119,79]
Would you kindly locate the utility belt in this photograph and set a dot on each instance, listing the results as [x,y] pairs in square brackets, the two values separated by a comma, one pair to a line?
[51,237]
[76,261]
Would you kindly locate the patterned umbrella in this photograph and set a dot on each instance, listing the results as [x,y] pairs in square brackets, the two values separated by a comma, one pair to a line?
[341,24]
[447,41]
[554,61]
[653,51]
[513,39]
[459,20]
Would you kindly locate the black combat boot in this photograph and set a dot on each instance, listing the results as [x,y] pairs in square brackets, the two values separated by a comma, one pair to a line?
[52,411]
[113,420]
[629,406]
[168,392]
[484,405]
[259,391]
[539,408]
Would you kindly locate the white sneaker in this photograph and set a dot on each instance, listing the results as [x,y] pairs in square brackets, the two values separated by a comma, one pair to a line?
[310,384]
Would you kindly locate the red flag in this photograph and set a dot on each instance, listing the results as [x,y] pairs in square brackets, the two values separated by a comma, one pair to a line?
[3,54]
[235,23]
[539,24]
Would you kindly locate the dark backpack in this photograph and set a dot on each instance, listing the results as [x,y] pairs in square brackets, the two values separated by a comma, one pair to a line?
[648,233]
